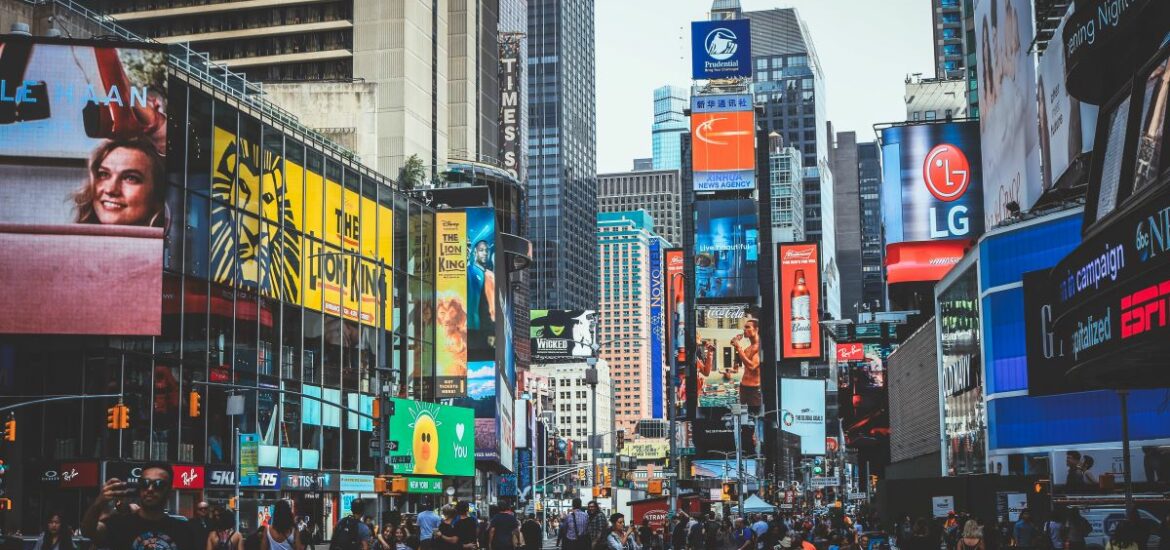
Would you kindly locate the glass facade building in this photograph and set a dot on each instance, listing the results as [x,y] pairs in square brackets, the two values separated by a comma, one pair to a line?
[562,154]
[669,123]
[293,278]
[869,166]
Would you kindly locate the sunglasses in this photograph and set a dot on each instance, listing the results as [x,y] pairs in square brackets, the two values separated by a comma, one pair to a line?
[156,484]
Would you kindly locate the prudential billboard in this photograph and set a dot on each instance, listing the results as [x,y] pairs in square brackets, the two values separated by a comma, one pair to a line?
[721,49]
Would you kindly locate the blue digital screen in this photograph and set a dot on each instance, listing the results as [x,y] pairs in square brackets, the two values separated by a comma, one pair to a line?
[721,49]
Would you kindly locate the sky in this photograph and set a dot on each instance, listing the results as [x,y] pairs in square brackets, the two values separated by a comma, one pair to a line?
[866,48]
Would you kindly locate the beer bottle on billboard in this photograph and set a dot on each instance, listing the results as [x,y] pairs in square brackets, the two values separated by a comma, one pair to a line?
[801,321]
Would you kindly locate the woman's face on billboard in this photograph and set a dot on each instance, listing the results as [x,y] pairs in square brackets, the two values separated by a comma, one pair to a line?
[123,188]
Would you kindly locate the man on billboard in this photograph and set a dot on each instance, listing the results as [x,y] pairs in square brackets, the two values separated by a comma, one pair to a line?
[747,352]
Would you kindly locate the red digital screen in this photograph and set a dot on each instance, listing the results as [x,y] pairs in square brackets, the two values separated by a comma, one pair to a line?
[800,298]
[922,261]
[852,351]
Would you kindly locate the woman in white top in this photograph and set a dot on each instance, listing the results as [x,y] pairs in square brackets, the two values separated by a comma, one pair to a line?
[281,533]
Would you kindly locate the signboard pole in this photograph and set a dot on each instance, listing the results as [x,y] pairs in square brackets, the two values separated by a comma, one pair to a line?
[239,473]
[1123,395]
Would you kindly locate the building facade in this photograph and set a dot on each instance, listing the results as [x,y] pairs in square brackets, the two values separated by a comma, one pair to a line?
[936,99]
[787,191]
[573,403]
[873,282]
[623,240]
[562,154]
[953,24]
[843,158]
[670,122]
[658,192]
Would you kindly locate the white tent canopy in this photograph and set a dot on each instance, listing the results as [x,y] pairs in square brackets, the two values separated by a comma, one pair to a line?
[754,504]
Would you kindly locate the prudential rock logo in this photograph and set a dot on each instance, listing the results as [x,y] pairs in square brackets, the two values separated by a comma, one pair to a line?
[721,44]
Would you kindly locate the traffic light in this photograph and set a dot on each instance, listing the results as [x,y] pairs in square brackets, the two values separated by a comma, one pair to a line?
[10,429]
[118,417]
[125,418]
[581,474]
[376,412]
[193,399]
[818,466]
[399,485]
[729,491]
[5,504]
[654,486]
[379,484]
[232,503]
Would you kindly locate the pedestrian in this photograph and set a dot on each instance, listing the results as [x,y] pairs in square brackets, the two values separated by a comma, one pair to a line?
[402,539]
[645,534]
[385,537]
[1076,528]
[619,537]
[574,530]
[743,538]
[281,533]
[202,522]
[1124,538]
[465,526]
[428,521]
[504,529]
[351,533]
[990,531]
[972,538]
[224,535]
[678,533]
[149,524]
[695,537]
[533,534]
[598,527]
[714,532]
[919,537]
[56,535]
[1024,532]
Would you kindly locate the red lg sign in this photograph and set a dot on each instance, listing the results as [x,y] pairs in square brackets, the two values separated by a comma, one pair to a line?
[946,172]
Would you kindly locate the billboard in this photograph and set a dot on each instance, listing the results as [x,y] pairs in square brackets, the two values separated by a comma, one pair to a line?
[657,329]
[726,249]
[562,335]
[723,136]
[451,303]
[1067,126]
[802,412]
[933,186]
[721,49]
[727,355]
[481,284]
[676,288]
[83,137]
[1007,96]
[511,73]
[800,300]
[923,261]
[431,439]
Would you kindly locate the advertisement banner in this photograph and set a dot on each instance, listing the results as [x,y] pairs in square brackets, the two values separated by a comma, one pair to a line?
[424,485]
[654,510]
[960,374]
[721,49]
[676,288]
[249,460]
[431,439]
[511,75]
[562,335]
[802,404]
[85,176]
[1080,470]
[657,329]
[78,475]
[850,351]
[647,449]
[451,303]
[933,186]
[1067,125]
[1007,95]
[800,299]
[726,249]
[187,477]
[727,355]
[923,261]
[481,284]
[723,147]
[942,506]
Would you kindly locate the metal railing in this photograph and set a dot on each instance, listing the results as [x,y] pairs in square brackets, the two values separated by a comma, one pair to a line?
[199,66]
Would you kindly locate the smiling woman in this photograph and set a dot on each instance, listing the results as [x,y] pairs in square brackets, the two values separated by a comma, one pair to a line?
[126,185]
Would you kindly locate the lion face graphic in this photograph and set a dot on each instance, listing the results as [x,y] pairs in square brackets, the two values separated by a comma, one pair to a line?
[255,252]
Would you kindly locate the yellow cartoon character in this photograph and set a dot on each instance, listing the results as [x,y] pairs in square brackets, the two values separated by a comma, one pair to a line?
[426,443]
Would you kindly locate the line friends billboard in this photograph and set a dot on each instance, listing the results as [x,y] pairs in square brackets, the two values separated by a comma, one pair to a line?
[83,138]
[346,254]
[451,303]
[431,439]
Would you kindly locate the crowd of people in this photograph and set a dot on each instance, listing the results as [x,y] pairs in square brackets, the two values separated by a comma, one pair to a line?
[133,516]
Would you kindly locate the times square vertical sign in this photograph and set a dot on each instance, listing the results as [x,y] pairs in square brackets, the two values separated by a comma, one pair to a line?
[510,74]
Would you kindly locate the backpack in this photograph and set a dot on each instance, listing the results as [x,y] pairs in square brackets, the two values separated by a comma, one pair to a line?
[347,535]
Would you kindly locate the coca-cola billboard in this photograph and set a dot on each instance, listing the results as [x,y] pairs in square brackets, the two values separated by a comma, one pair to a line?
[799,295]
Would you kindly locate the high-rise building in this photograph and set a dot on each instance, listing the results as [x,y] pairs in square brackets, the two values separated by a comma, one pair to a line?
[843,159]
[658,192]
[623,240]
[954,46]
[644,164]
[562,156]
[386,82]
[670,122]
[573,402]
[934,99]
[873,283]
[787,193]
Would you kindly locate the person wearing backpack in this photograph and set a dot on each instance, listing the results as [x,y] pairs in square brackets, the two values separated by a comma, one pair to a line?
[504,530]
[351,533]
[224,535]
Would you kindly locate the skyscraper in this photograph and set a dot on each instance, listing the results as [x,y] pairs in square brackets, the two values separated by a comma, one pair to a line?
[847,207]
[669,123]
[624,243]
[562,143]
[873,283]
[787,195]
[658,192]
[954,45]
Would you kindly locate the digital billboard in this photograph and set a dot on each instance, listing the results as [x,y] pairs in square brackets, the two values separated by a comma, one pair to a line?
[481,284]
[727,355]
[723,137]
[960,372]
[657,328]
[83,138]
[451,303]
[923,261]
[726,249]
[562,335]
[676,288]
[933,185]
[802,412]
[1067,125]
[1007,96]
[799,268]
[431,439]
[721,49]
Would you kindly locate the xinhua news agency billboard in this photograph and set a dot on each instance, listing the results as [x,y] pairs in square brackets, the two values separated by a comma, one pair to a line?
[431,439]
[83,130]
[723,142]
[721,49]
[932,197]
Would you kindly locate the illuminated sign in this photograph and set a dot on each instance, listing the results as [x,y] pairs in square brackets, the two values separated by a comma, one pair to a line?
[798,265]
[510,74]
[721,49]
[923,261]
[723,150]
[726,249]
[802,404]
[431,439]
[451,303]
[851,351]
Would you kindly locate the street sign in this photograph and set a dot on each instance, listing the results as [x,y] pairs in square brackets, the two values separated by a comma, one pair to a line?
[540,488]
[604,455]
[822,482]
[669,474]
[686,451]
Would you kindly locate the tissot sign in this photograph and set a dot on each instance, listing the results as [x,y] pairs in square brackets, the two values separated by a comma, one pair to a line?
[721,49]
[1102,316]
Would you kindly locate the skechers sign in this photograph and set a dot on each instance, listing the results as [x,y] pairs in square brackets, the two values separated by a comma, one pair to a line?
[934,186]
[721,49]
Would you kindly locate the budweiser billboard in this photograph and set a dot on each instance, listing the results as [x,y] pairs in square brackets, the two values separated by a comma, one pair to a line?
[799,297]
